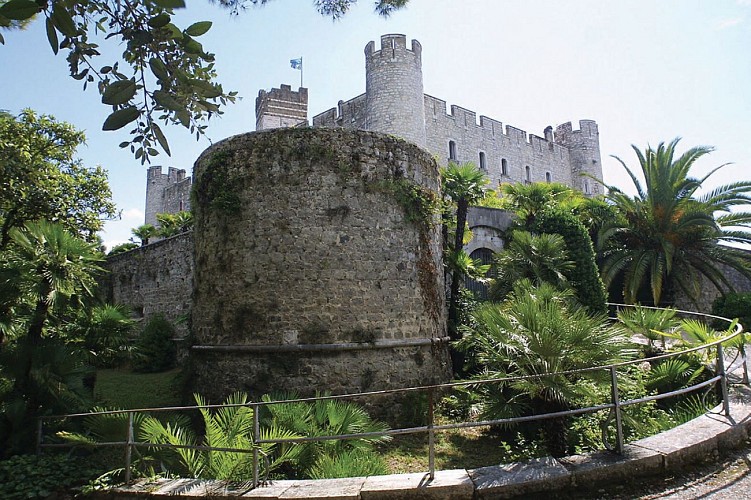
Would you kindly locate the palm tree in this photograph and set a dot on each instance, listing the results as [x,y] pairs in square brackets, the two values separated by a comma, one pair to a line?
[539,258]
[528,200]
[539,331]
[53,269]
[56,267]
[668,235]
[464,184]
[144,232]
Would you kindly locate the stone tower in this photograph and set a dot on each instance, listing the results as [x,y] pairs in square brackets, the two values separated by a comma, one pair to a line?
[313,269]
[584,154]
[166,193]
[282,107]
[395,102]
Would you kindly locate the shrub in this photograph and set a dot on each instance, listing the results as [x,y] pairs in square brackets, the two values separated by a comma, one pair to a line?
[584,277]
[41,476]
[155,346]
[122,248]
[734,305]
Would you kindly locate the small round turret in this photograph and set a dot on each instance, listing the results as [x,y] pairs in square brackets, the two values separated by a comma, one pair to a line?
[584,151]
[395,100]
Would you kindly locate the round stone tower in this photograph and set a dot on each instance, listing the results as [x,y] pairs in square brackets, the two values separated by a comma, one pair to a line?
[584,152]
[395,101]
[317,264]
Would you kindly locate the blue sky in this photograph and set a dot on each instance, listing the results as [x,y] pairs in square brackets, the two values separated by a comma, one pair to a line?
[645,70]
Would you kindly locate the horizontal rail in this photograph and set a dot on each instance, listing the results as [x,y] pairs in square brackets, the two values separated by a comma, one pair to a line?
[256,405]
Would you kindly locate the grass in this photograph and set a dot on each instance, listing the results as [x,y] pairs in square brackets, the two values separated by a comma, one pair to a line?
[124,389]
[455,449]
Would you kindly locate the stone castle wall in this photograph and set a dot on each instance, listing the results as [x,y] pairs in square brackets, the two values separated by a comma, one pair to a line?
[394,103]
[708,293]
[315,272]
[155,279]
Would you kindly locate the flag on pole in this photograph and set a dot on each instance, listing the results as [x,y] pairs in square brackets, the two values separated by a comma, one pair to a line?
[296,63]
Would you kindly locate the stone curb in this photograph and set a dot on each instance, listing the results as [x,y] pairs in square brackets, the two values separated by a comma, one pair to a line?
[697,440]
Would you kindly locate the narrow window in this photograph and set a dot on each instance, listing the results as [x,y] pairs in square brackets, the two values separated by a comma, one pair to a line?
[548,177]
[452,150]
[586,187]
[483,164]
[527,174]
[504,167]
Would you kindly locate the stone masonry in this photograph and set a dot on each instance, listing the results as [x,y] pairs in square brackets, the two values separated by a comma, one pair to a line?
[157,278]
[166,193]
[317,265]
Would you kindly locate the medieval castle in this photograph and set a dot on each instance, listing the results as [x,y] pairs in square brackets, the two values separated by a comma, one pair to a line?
[394,103]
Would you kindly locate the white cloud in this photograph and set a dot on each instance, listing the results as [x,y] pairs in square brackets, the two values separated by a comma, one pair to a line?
[729,23]
[132,214]
[744,2]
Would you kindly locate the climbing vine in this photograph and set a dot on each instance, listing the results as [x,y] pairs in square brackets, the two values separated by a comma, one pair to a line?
[216,190]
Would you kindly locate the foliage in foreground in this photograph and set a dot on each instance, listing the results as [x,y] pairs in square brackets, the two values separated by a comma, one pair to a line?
[539,331]
[49,273]
[155,48]
[41,476]
[231,427]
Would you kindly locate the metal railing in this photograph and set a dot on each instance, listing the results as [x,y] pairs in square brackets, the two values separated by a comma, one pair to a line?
[614,406]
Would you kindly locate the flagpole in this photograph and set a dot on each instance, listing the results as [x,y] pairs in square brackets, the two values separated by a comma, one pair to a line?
[301,70]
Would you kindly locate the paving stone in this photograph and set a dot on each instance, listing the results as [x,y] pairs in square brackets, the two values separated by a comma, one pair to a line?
[341,489]
[272,489]
[447,485]
[508,480]
[608,466]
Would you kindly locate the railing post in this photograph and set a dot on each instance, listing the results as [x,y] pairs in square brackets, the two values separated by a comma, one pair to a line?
[723,379]
[431,434]
[256,431]
[617,407]
[743,357]
[39,435]
[129,447]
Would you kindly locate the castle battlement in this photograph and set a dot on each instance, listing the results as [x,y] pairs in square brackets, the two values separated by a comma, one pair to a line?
[392,44]
[281,107]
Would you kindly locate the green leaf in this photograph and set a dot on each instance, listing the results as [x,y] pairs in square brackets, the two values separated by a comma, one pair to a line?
[160,138]
[159,21]
[63,22]
[175,32]
[206,89]
[199,28]
[119,92]
[2,40]
[184,117]
[159,69]
[170,4]
[192,46]
[19,10]
[165,100]
[52,36]
[120,118]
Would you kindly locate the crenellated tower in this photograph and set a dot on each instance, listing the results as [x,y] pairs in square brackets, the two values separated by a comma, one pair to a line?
[395,102]
[166,193]
[282,107]
[584,154]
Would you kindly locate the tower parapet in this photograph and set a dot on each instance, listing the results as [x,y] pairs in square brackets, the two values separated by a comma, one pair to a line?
[395,101]
[282,107]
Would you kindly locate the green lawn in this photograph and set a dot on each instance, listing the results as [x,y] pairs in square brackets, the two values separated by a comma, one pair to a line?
[124,389]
